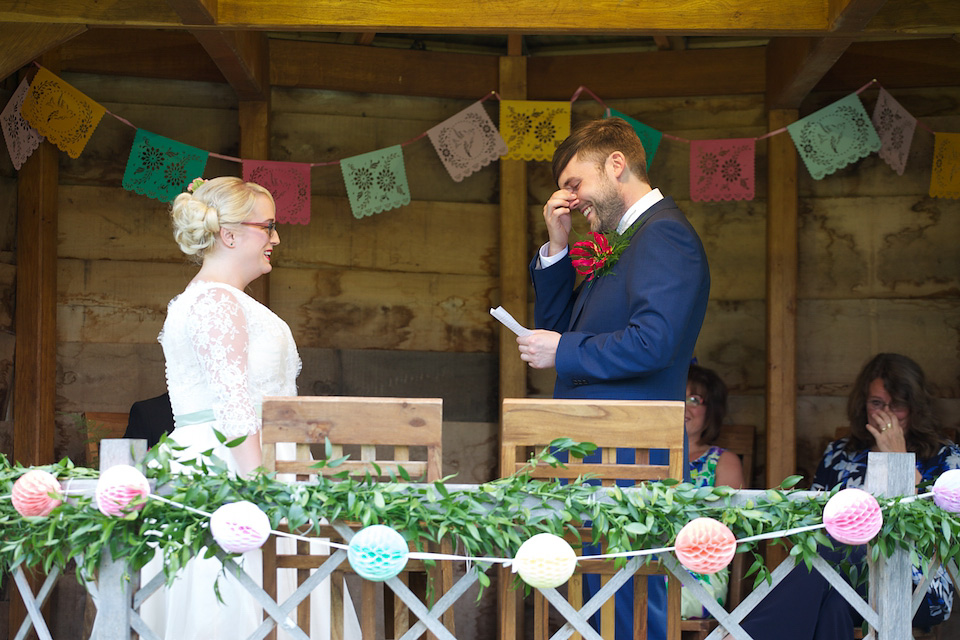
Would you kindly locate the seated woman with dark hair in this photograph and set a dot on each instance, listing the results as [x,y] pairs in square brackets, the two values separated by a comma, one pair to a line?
[890,409]
[710,465]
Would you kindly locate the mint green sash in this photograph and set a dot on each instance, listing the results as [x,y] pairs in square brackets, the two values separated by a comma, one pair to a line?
[204,415]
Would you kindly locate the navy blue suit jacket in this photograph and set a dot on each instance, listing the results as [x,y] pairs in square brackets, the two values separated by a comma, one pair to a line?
[630,334]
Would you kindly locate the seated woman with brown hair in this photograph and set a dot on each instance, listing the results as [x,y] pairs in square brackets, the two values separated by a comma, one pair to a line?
[890,409]
[710,465]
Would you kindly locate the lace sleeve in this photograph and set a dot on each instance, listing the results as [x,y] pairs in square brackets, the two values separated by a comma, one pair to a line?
[218,331]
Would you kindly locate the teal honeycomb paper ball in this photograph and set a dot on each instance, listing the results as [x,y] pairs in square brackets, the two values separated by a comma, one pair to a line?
[377,553]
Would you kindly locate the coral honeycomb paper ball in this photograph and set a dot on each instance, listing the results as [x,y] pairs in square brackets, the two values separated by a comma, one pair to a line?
[705,545]
[239,527]
[377,553]
[119,486]
[31,493]
[545,561]
[946,491]
[852,516]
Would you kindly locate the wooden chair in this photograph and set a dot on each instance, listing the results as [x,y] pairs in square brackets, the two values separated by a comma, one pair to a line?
[739,439]
[387,432]
[101,425]
[531,424]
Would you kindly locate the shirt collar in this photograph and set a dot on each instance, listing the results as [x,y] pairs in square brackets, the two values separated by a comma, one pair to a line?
[638,209]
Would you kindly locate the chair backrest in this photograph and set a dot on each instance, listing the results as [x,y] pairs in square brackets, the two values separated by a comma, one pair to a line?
[102,425]
[386,432]
[642,425]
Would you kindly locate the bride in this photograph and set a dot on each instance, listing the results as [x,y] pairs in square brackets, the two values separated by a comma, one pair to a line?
[224,352]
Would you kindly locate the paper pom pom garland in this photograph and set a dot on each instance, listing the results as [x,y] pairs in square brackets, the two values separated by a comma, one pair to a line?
[239,527]
[946,491]
[377,553]
[545,561]
[118,487]
[705,545]
[852,516]
[31,493]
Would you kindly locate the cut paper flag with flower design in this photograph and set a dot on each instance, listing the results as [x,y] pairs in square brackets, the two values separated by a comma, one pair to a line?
[835,136]
[945,178]
[533,129]
[22,139]
[722,169]
[161,168]
[376,181]
[61,113]
[895,126]
[649,137]
[467,142]
[288,182]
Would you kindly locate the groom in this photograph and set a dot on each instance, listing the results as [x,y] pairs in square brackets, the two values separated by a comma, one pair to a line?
[628,331]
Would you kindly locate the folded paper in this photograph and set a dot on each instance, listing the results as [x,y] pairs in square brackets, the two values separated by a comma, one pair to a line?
[945,178]
[61,113]
[835,136]
[722,169]
[376,181]
[161,168]
[467,142]
[288,182]
[649,137]
[533,129]
[22,139]
[896,127]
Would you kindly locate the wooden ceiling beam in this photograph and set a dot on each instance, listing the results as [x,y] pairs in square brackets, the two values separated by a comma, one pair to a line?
[23,43]
[796,65]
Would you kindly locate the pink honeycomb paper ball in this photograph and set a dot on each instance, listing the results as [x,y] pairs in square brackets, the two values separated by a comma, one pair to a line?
[946,491]
[705,545]
[31,493]
[545,561]
[852,516]
[118,487]
[239,527]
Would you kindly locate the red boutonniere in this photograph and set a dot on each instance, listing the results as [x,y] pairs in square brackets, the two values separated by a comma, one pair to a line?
[594,258]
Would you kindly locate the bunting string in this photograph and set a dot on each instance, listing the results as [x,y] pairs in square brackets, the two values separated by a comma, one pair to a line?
[826,140]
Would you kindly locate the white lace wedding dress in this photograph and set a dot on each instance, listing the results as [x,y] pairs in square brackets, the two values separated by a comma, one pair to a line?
[224,352]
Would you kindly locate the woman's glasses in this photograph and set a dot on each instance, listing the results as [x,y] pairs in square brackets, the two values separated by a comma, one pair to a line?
[897,406]
[269,227]
[695,401]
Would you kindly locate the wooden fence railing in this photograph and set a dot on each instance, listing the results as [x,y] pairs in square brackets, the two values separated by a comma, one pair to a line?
[117,597]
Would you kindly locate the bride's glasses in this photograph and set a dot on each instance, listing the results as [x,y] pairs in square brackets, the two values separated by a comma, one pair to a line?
[269,227]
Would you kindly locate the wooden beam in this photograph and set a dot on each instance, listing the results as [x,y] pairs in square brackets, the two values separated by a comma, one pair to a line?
[627,75]
[140,53]
[255,145]
[366,38]
[782,270]
[240,56]
[917,63]
[195,11]
[35,372]
[23,43]
[440,16]
[375,70]
[796,65]
[513,234]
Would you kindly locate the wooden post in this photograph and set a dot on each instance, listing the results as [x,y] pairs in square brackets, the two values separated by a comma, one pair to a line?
[513,288]
[513,233]
[35,360]
[115,585]
[890,475]
[781,400]
[255,145]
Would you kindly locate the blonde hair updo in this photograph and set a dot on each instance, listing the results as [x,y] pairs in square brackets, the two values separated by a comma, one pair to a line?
[198,216]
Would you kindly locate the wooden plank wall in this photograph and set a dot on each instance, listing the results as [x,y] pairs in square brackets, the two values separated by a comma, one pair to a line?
[397,303]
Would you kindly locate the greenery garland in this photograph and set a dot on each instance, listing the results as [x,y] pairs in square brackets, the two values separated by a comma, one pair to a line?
[491,521]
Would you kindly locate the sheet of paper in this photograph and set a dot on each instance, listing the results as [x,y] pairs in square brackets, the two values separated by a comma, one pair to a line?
[509,322]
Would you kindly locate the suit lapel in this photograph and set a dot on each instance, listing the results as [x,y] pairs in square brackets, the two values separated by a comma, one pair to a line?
[587,287]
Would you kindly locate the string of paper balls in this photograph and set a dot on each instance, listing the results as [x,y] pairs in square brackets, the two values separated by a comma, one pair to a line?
[378,552]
